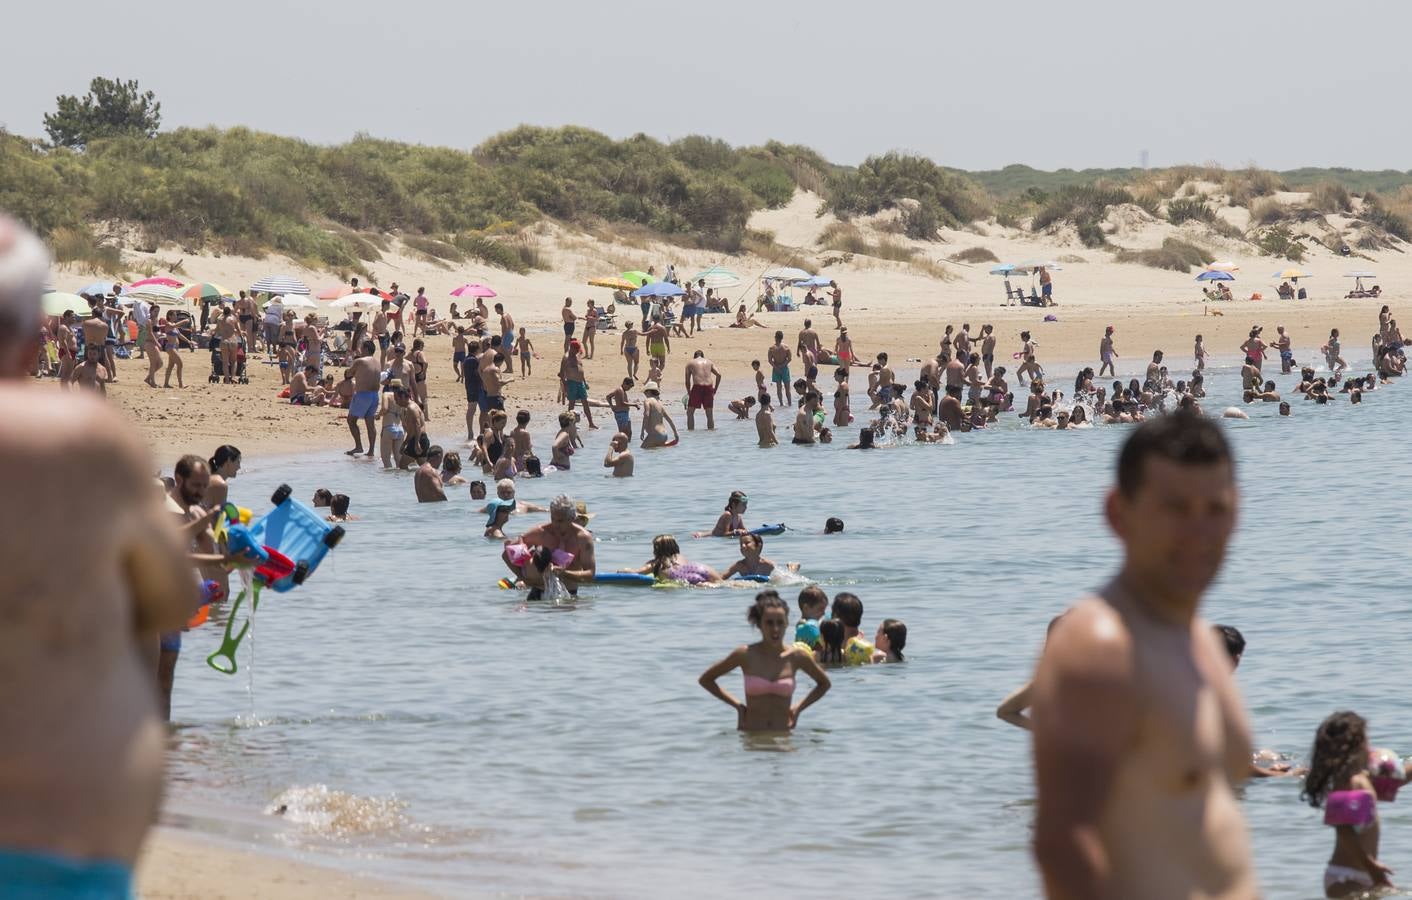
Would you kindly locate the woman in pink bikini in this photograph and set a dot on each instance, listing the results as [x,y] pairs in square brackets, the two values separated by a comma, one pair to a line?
[1340,781]
[769,666]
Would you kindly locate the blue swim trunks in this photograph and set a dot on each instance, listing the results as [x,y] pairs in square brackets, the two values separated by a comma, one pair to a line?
[779,375]
[363,405]
[30,875]
[623,419]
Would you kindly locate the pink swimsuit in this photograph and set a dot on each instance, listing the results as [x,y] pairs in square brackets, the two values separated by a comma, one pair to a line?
[755,685]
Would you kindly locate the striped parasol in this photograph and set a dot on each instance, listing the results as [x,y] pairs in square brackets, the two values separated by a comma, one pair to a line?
[154,293]
[279,284]
[617,284]
[205,290]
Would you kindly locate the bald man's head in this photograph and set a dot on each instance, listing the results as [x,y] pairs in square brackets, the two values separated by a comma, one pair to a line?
[24,266]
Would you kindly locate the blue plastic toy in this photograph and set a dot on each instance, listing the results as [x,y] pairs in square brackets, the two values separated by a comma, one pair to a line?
[769,529]
[299,533]
[623,578]
[757,578]
[240,540]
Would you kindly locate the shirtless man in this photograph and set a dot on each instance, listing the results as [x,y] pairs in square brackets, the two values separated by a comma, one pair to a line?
[1139,732]
[384,340]
[949,410]
[427,479]
[570,318]
[1282,346]
[507,336]
[413,426]
[627,346]
[95,332]
[1154,369]
[91,373]
[82,757]
[619,457]
[765,422]
[779,357]
[953,370]
[1106,353]
[988,348]
[229,336]
[656,419]
[886,379]
[364,404]
[702,380]
[620,405]
[804,419]
[561,532]
[836,295]
[659,344]
[808,339]
[575,382]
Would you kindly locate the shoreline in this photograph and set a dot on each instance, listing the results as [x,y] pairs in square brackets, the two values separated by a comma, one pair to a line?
[179,862]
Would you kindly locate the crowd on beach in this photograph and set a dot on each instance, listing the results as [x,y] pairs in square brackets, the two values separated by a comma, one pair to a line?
[1131,680]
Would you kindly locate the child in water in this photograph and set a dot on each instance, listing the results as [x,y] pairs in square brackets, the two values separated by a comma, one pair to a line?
[889,641]
[1338,781]
[813,603]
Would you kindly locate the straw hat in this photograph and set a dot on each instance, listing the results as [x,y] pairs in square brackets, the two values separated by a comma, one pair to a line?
[582,514]
[651,388]
[395,384]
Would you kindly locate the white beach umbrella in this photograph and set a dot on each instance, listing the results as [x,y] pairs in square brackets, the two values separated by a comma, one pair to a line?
[785,273]
[279,284]
[1223,266]
[717,277]
[355,303]
[297,301]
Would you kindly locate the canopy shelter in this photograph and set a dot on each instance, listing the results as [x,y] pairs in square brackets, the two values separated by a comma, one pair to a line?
[1358,289]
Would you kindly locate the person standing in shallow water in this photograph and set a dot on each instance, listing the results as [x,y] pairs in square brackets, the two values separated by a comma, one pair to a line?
[769,666]
[1133,682]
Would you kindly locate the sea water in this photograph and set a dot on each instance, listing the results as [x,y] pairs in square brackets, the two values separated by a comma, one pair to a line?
[411,719]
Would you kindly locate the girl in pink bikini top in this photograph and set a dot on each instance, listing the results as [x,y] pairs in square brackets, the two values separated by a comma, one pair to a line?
[769,667]
[1340,781]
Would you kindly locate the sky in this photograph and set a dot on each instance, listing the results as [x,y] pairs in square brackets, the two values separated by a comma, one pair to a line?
[974,85]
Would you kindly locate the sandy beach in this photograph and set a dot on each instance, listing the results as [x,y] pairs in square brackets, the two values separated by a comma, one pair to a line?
[888,306]
[178,864]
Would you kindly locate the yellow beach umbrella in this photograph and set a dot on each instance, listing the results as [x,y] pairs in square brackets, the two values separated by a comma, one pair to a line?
[617,284]
[1292,273]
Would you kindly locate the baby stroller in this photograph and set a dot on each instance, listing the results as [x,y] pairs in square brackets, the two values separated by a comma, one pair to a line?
[217,368]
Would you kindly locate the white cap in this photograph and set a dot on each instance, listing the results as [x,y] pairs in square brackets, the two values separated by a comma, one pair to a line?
[24,267]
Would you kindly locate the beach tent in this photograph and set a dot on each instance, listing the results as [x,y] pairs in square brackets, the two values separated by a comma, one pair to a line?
[279,284]
[1358,289]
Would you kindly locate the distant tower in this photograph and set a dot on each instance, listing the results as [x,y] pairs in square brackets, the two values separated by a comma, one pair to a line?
[1143,156]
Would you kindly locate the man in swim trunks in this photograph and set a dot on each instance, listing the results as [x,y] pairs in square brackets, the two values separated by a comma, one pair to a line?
[561,532]
[702,380]
[1106,353]
[779,357]
[507,335]
[1282,345]
[575,384]
[364,404]
[1139,732]
[619,457]
[659,343]
[619,403]
[427,479]
[988,348]
[81,761]
[380,323]
[570,317]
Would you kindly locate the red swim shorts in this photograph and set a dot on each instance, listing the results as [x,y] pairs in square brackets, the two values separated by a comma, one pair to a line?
[703,396]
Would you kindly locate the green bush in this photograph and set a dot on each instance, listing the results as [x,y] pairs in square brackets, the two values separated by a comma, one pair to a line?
[1174,254]
[1084,207]
[1330,197]
[1376,212]
[1248,184]
[1280,242]
[1193,209]
[974,255]
[881,182]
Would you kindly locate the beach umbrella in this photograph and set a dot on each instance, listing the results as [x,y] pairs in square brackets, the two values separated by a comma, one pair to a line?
[205,290]
[473,290]
[637,278]
[617,284]
[1359,275]
[1215,276]
[98,288]
[279,284]
[334,293]
[298,301]
[160,294]
[785,273]
[659,289]
[815,281]
[716,277]
[1292,273]
[1223,266]
[359,302]
[162,280]
[56,303]
[1035,265]
[1003,269]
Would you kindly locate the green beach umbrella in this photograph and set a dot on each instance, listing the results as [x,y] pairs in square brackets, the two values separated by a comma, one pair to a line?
[638,278]
[56,303]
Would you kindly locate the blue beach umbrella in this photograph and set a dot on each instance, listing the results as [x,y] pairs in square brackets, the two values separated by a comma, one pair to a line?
[1215,276]
[1003,269]
[659,289]
[816,281]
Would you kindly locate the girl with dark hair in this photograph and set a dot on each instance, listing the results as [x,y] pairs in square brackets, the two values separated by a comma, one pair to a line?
[829,652]
[769,666]
[889,641]
[224,464]
[730,522]
[1338,781]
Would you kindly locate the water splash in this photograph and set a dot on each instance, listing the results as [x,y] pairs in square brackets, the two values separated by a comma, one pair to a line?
[319,810]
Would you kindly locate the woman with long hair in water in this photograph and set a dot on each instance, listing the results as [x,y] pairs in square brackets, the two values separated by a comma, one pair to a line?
[769,666]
